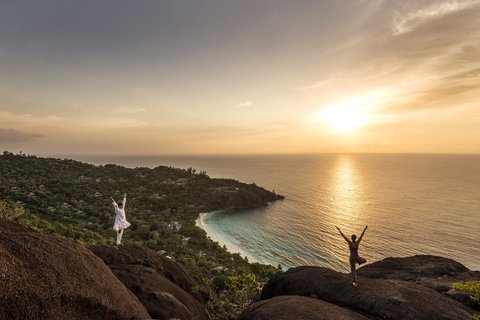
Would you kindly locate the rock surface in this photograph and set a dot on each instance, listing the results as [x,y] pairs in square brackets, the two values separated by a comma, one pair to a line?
[417,267]
[45,277]
[397,297]
[297,307]
[436,273]
[165,287]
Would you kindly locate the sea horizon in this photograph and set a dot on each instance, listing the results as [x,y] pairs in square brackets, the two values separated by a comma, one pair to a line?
[74,156]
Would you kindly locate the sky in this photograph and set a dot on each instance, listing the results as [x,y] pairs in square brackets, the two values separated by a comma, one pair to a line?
[147,77]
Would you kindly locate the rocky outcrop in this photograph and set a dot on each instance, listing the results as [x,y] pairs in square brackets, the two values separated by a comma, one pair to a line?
[45,277]
[436,273]
[297,307]
[417,267]
[390,289]
[165,287]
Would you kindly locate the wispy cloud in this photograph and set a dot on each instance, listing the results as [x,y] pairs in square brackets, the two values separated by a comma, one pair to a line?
[126,110]
[413,17]
[244,104]
[426,73]
[319,84]
[12,135]
[439,95]
[70,124]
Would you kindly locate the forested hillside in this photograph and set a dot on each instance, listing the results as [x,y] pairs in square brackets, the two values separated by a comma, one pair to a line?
[71,199]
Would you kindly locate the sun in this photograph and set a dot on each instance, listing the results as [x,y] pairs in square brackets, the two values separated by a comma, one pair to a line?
[344,119]
[346,116]
[349,114]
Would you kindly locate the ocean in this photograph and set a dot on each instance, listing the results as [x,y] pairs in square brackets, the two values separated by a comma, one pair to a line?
[412,204]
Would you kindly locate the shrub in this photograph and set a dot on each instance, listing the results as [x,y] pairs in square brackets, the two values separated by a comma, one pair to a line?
[9,211]
[472,287]
[234,293]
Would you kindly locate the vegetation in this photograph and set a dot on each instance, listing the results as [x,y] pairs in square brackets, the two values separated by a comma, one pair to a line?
[236,293]
[70,199]
[473,288]
[10,211]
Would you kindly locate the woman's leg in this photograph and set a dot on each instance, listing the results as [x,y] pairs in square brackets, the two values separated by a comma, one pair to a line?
[360,261]
[353,268]
[119,236]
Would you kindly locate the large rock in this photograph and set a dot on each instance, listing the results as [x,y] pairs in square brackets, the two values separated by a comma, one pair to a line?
[378,298]
[45,277]
[297,307]
[416,267]
[433,272]
[165,287]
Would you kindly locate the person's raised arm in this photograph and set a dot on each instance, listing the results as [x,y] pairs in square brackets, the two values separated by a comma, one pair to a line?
[361,236]
[344,237]
[114,203]
[124,199]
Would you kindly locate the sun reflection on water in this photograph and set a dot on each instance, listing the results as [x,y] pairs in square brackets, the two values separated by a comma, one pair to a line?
[345,209]
[345,190]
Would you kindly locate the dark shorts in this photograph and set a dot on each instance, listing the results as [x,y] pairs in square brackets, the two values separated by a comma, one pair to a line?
[354,261]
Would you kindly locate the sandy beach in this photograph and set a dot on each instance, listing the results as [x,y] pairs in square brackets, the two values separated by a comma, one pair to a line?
[202,222]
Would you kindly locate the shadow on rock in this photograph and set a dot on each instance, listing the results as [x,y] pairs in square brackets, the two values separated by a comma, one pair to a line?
[164,287]
[45,277]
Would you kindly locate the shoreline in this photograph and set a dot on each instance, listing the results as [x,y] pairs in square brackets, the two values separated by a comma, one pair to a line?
[215,237]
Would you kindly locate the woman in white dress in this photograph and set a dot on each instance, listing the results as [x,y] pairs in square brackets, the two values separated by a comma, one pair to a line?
[121,222]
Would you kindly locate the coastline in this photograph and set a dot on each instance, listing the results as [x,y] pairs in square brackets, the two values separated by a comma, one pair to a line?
[215,237]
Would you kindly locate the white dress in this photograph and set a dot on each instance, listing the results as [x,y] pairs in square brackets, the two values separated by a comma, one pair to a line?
[120,218]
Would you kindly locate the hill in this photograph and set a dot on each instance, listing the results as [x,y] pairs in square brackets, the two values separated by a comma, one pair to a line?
[71,199]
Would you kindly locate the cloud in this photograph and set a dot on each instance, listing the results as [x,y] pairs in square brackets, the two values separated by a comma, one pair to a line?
[12,135]
[68,124]
[469,74]
[319,84]
[419,73]
[244,104]
[370,145]
[405,22]
[126,110]
[450,91]
[440,95]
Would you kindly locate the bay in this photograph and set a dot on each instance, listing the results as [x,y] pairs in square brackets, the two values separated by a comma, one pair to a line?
[413,204]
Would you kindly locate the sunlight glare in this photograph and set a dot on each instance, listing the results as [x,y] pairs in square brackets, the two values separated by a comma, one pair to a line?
[350,114]
[344,118]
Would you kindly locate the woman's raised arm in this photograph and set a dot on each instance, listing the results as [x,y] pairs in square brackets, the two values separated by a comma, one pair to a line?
[344,237]
[361,236]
